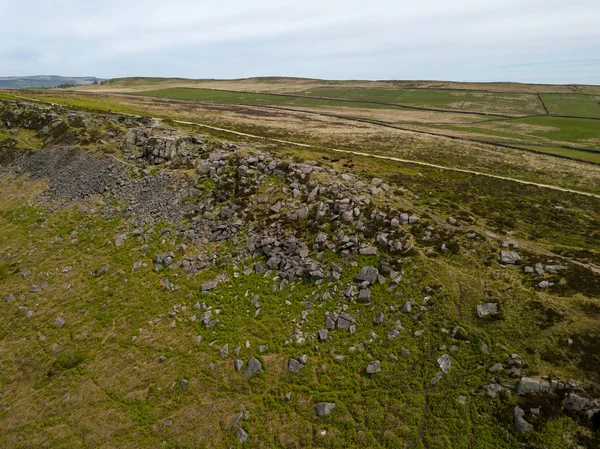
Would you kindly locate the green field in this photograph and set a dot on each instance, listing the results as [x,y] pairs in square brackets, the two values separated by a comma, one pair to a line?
[253,99]
[574,105]
[461,100]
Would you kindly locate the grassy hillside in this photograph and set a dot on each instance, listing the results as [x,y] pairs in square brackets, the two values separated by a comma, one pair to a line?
[134,279]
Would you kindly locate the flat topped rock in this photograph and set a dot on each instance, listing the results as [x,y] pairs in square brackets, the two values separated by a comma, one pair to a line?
[324,408]
[368,274]
[509,257]
[490,308]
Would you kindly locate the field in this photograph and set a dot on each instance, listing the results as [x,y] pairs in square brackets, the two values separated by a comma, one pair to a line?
[526,119]
[85,210]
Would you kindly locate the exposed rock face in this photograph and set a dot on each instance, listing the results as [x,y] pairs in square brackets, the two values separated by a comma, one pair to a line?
[160,145]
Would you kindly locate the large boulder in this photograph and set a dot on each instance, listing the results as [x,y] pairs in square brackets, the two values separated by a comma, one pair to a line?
[490,308]
[324,408]
[521,425]
[509,257]
[254,366]
[368,274]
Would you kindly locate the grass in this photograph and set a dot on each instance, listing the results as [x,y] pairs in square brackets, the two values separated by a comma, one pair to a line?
[576,105]
[259,99]
[463,100]
[97,381]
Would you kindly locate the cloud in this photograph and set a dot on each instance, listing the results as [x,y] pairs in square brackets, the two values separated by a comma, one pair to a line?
[526,40]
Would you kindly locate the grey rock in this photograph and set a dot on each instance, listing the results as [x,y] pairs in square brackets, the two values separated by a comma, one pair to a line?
[224,351]
[528,385]
[59,322]
[490,308]
[493,389]
[445,363]
[254,366]
[242,435]
[521,425]
[576,403]
[509,257]
[368,251]
[379,319]
[368,274]
[120,239]
[321,238]
[210,285]
[407,306]
[437,378]
[324,408]
[373,367]
[323,333]
[237,364]
[496,367]
[183,383]
[294,365]
[364,295]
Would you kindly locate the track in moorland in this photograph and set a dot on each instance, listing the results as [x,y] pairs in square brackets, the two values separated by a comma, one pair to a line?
[356,153]
[400,128]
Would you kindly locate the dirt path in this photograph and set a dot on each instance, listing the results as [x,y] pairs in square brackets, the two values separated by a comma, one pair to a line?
[359,153]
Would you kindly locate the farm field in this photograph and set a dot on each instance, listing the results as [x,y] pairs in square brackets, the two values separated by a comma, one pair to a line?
[575,105]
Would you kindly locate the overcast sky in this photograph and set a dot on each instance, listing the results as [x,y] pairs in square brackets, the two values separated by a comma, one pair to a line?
[549,41]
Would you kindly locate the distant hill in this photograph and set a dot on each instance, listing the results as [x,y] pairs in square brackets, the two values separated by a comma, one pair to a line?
[19,82]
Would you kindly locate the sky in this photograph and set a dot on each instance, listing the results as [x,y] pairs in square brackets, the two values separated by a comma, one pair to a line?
[544,41]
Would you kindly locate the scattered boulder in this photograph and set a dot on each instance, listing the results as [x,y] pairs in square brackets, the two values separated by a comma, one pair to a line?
[521,425]
[509,257]
[294,365]
[254,366]
[368,274]
[373,367]
[490,308]
[59,322]
[324,408]
[445,363]
[238,364]
[242,435]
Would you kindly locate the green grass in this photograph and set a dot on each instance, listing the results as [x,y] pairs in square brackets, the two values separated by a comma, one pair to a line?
[462,100]
[215,96]
[118,392]
[576,105]
[590,156]
[577,132]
